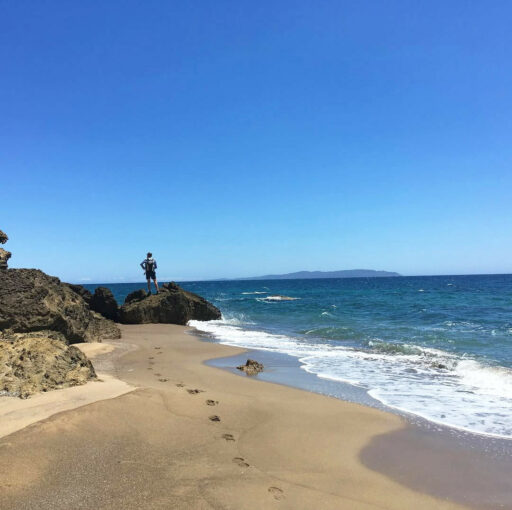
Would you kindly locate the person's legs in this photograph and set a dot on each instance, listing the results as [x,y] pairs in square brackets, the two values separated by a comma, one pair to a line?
[156,284]
[149,285]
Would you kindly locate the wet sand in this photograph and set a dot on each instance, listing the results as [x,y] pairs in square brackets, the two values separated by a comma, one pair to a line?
[192,436]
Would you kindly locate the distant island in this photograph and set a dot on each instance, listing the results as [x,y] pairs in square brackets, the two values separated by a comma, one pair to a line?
[347,273]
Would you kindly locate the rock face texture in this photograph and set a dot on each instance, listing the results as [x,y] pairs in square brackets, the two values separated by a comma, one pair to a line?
[172,305]
[36,363]
[4,257]
[4,254]
[30,300]
[104,303]
[81,291]
[251,367]
[136,295]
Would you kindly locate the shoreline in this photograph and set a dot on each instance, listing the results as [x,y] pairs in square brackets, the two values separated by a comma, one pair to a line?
[160,445]
[344,391]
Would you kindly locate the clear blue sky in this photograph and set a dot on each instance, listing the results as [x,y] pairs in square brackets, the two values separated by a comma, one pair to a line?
[236,138]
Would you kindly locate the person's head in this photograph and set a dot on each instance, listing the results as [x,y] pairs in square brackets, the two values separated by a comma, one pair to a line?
[149,254]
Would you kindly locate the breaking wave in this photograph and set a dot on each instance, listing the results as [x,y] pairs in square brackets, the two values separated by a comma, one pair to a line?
[439,386]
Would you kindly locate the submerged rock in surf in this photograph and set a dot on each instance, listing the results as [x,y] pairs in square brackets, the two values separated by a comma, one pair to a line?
[251,367]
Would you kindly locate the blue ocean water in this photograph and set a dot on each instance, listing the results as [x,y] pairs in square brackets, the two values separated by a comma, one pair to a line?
[439,347]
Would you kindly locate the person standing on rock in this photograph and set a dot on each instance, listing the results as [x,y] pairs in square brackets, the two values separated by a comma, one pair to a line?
[149,266]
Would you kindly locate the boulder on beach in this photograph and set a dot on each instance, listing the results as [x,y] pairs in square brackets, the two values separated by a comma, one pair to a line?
[31,300]
[172,305]
[251,367]
[33,362]
[104,303]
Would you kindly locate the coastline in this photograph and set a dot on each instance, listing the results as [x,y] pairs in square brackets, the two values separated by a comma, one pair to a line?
[484,462]
[160,445]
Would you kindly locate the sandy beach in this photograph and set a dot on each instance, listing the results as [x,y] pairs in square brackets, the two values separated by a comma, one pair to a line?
[171,432]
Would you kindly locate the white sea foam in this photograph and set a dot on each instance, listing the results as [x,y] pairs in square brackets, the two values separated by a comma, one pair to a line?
[437,385]
[278,298]
[255,292]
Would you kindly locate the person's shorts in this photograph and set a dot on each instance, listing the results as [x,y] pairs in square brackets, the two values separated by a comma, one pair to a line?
[150,275]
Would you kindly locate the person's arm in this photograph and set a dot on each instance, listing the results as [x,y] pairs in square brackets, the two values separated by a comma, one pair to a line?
[143,265]
[155,265]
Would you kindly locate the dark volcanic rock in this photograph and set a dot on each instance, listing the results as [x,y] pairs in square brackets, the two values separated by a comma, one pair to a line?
[103,302]
[81,291]
[136,295]
[172,305]
[3,237]
[251,367]
[30,300]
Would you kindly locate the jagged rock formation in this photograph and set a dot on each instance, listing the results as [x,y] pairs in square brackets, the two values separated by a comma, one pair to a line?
[136,295]
[32,362]
[172,305]
[4,257]
[4,254]
[251,367]
[30,300]
[104,303]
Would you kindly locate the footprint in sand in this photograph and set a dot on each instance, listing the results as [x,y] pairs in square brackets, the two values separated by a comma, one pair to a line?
[212,402]
[240,461]
[214,417]
[195,392]
[151,357]
[163,379]
[159,352]
[157,347]
[151,362]
[180,385]
[276,492]
[228,437]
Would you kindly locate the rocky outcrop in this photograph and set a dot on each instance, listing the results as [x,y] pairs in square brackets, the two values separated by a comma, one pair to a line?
[104,303]
[172,305]
[33,362]
[30,300]
[251,367]
[3,237]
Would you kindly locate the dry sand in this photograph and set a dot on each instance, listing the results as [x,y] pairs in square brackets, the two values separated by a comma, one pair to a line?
[16,414]
[196,437]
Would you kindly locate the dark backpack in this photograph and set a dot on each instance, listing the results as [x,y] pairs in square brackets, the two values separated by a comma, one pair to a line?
[150,265]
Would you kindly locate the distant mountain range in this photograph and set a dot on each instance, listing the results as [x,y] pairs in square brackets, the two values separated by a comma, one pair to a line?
[347,273]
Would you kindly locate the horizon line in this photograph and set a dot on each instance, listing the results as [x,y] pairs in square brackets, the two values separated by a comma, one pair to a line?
[256,279]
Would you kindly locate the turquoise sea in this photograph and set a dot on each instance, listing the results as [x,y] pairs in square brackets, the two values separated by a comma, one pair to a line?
[439,347]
